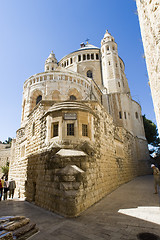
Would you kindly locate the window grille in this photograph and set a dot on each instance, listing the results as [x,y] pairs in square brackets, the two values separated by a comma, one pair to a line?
[55,129]
[70,129]
[84,130]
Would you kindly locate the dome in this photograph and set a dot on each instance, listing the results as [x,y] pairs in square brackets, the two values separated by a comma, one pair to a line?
[87,46]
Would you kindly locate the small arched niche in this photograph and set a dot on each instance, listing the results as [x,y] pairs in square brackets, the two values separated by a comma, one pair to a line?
[89,74]
[72,98]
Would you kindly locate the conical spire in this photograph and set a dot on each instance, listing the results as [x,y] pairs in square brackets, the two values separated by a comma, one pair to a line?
[107,38]
[51,62]
[51,58]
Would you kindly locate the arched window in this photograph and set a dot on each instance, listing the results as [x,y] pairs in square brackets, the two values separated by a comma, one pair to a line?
[136,114]
[89,74]
[73,98]
[38,99]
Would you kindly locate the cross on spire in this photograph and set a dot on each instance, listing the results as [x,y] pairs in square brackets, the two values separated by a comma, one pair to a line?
[87,40]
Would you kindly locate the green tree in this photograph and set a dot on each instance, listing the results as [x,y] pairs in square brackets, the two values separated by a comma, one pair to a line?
[151,131]
[5,169]
[8,141]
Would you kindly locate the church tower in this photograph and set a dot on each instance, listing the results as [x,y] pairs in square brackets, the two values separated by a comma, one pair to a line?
[114,79]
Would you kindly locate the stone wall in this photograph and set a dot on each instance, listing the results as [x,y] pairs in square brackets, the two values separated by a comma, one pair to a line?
[70,183]
[149,18]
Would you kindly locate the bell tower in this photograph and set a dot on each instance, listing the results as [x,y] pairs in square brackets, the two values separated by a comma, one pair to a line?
[114,79]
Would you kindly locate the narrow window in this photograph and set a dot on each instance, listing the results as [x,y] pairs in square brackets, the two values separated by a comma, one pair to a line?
[97,56]
[92,56]
[109,63]
[105,129]
[33,129]
[107,48]
[38,99]
[72,97]
[125,116]
[70,129]
[136,114]
[89,74]
[120,115]
[84,57]
[84,130]
[79,58]
[88,56]
[67,62]
[113,48]
[55,129]
[119,84]
[71,61]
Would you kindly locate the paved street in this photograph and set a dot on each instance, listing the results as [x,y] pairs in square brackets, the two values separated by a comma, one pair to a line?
[101,221]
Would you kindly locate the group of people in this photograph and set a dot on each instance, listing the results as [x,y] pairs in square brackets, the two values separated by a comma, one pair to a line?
[5,187]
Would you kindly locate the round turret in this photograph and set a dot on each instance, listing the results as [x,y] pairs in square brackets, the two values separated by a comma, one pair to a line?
[51,63]
[114,78]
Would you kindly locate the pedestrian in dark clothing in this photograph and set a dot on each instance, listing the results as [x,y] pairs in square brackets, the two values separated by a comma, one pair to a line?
[1,189]
[5,187]
[12,186]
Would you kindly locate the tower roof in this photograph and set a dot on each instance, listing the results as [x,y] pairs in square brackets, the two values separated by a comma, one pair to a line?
[107,37]
[51,57]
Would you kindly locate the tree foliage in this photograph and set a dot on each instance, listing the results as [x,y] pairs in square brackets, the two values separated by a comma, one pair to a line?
[7,141]
[151,131]
[5,169]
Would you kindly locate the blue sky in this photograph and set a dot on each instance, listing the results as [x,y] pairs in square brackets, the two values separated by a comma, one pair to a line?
[29,30]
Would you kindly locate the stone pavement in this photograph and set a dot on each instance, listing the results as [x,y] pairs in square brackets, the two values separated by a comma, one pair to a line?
[102,220]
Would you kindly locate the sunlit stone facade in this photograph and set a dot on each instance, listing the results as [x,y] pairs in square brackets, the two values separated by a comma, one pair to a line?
[81,134]
[149,18]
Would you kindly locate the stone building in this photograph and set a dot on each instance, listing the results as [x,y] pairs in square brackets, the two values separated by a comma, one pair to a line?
[5,155]
[149,18]
[81,133]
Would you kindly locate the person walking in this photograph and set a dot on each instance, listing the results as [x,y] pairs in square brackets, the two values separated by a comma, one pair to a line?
[5,187]
[12,186]
[1,189]
[156,174]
